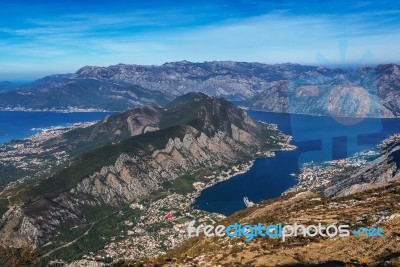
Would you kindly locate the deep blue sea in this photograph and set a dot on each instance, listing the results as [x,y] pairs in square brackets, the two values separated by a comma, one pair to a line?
[19,124]
[318,138]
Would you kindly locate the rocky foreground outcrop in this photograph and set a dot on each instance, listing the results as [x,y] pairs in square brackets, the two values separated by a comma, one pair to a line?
[374,208]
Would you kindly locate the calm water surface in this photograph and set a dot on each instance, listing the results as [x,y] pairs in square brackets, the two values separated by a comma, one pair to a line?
[20,124]
[318,138]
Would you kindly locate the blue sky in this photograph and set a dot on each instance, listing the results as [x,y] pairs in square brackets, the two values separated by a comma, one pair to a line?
[38,38]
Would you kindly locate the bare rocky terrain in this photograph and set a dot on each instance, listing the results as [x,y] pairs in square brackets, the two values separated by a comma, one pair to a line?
[377,207]
[363,171]
[366,92]
[157,152]
[290,88]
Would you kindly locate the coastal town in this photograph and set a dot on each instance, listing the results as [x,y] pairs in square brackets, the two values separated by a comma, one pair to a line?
[316,176]
[30,157]
[64,110]
[162,224]
[156,225]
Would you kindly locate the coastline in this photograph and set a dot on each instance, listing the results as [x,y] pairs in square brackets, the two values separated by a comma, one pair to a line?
[318,115]
[88,110]
[20,125]
[318,176]
[220,178]
[14,153]
[245,167]
[72,110]
[153,212]
[46,133]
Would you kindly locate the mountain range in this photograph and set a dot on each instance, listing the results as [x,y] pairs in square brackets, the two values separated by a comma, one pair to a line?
[127,159]
[7,86]
[106,190]
[293,88]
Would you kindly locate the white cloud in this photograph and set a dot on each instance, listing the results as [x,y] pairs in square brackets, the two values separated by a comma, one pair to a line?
[64,46]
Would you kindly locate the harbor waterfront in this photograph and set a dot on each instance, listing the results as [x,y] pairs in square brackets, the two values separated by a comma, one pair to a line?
[318,138]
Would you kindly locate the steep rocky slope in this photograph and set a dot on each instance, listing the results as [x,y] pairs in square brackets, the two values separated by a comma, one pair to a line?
[361,191]
[196,133]
[367,92]
[358,173]
[111,129]
[378,208]
[385,169]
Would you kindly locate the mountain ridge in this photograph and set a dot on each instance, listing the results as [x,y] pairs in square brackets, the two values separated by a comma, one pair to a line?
[120,87]
[274,88]
[170,159]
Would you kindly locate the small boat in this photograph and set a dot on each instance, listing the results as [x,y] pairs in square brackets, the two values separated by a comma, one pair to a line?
[247,202]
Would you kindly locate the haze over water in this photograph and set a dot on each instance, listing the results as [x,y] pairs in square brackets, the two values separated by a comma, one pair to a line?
[318,138]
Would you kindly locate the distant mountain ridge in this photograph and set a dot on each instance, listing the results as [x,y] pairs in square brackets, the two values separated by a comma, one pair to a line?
[123,86]
[261,87]
[67,93]
[7,86]
[218,78]
[366,92]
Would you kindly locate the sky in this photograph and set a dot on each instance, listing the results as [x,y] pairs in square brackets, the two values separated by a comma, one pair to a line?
[39,38]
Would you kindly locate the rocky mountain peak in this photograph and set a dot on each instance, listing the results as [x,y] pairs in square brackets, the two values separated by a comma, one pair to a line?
[141,151]
[124,86]
[388,69]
